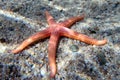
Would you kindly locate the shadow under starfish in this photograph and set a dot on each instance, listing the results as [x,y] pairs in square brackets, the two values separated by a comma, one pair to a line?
[55,30]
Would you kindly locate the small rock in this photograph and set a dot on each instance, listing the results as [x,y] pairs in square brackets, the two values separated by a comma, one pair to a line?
[101,58]
[74,48]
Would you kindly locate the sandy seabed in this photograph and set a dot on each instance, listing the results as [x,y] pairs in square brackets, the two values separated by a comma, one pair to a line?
[75,60]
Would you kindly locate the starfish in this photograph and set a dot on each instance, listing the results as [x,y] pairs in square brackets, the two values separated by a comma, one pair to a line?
[55,30]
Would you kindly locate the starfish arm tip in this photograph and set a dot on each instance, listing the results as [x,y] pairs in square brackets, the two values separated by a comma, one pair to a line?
[102,42]
[52,71]
[15,51]
[46,12]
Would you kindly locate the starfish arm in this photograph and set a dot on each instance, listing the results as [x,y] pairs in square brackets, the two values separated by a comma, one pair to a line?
[49,18]
[71,21]
[75,35]
[52,53]
[40,35]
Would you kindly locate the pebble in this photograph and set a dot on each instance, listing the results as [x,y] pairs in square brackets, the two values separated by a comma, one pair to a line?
[101,58]
[74,48]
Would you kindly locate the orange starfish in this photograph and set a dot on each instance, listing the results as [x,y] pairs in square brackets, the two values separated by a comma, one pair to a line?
[55,30]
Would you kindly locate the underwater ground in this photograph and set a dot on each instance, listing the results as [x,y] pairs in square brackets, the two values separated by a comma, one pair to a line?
[76,60]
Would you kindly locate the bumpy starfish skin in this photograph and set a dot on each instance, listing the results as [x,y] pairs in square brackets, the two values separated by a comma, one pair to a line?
[55,30]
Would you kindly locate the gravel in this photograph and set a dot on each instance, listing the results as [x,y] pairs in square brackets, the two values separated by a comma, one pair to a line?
[75,60]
